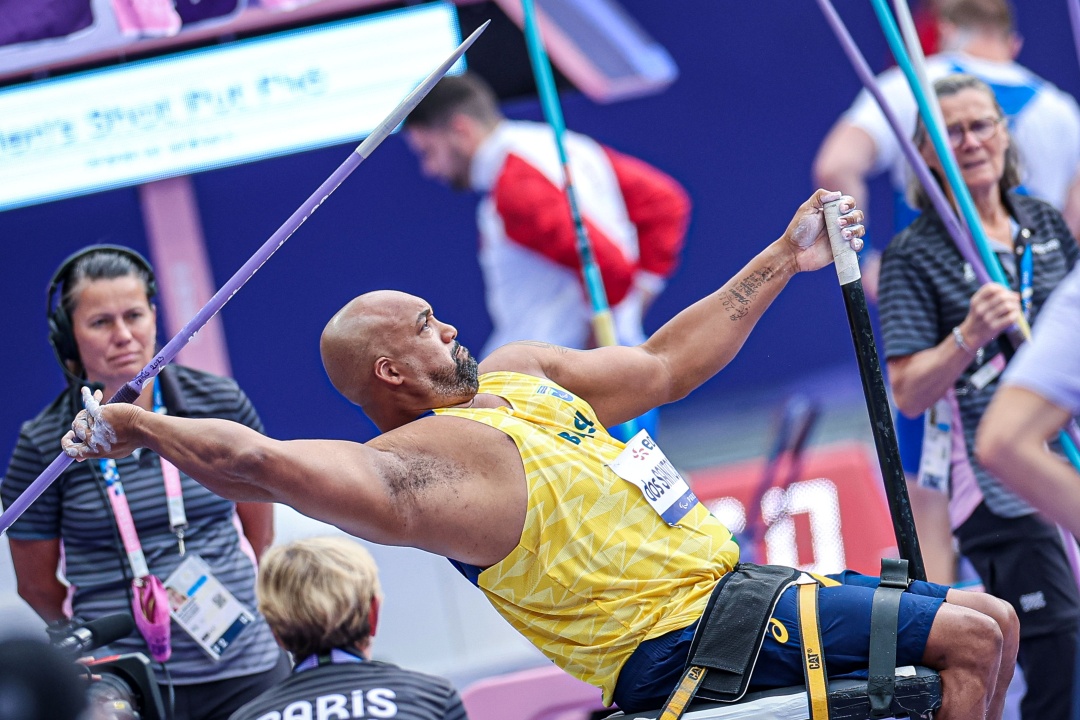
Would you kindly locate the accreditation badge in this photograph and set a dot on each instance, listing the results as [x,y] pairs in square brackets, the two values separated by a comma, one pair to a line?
[201,605]
[643,463]
[936,459]
[988,372]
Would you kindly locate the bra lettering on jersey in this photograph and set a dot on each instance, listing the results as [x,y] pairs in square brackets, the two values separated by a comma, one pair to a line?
[586,428]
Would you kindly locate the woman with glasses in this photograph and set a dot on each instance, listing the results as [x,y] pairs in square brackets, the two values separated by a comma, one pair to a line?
[945,351]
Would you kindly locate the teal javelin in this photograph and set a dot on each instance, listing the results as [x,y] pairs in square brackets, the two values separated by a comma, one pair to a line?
[603,325]
[549,100]
[938,137]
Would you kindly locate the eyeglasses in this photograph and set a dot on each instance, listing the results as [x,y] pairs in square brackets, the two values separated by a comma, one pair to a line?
[983,130]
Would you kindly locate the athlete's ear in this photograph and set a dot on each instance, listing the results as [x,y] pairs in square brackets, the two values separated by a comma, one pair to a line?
[387,371]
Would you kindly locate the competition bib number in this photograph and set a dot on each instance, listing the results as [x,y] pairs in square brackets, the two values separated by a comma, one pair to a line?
[645,465]
[201,605]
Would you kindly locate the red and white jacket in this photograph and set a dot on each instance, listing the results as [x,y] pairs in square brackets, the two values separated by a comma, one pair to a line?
[635,216]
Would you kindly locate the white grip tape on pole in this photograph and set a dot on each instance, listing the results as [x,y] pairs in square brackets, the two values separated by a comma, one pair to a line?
[845,259]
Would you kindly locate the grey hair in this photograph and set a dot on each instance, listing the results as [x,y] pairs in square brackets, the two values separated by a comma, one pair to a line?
[946,87]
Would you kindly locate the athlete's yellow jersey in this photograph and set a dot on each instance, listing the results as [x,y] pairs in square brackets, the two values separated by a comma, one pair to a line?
[597,570]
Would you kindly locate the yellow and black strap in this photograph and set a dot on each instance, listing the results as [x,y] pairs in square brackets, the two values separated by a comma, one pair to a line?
[817,688]
[684,693]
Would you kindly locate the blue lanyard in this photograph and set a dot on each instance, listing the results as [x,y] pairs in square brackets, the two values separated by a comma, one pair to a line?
[1024,272]
[337,656]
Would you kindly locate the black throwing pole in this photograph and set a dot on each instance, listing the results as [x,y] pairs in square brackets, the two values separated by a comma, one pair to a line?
[877,399]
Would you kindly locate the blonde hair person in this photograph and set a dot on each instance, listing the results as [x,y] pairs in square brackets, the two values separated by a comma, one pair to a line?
[321,598]
[320,593]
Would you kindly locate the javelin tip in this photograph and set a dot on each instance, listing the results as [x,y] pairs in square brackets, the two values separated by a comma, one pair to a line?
[406,106]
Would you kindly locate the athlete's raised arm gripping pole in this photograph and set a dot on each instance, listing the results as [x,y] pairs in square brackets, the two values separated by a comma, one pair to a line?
[131,391]
[877,399]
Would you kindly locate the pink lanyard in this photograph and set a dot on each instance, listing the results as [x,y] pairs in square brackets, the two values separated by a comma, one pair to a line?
[122,511]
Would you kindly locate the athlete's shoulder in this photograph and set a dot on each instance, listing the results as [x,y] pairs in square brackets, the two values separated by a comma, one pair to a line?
[526,357]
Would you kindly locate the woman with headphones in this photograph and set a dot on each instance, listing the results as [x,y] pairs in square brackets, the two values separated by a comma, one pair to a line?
[134,534]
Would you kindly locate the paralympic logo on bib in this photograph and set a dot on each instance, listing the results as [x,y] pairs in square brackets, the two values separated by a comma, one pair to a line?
[643,463]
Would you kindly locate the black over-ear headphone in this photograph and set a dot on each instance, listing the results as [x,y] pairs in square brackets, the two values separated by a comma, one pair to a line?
[61,335]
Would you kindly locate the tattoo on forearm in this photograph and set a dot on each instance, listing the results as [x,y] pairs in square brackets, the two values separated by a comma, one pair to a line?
[742,292]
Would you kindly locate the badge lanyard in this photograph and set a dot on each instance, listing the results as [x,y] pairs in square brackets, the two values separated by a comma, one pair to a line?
[174,499]
[1024,265]
[337,656]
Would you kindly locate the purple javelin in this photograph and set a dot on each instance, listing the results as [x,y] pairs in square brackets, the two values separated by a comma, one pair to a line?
[129,392]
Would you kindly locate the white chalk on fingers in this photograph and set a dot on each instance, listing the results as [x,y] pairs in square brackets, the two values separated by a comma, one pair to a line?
[101,435]
[72,447]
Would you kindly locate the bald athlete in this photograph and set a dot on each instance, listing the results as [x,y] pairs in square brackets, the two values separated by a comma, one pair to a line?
[512,475]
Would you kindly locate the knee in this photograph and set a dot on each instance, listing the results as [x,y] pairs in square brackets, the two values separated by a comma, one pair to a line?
[967,640]
[987,637]
[983,649]
[1000,611]
[1008,621]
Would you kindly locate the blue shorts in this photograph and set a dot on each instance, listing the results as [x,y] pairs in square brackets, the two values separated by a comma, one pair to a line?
[651,673]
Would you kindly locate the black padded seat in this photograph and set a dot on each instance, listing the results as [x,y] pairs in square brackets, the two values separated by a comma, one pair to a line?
[917,695]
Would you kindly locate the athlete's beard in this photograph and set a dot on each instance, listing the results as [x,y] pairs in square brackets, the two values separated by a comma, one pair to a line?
[461,380]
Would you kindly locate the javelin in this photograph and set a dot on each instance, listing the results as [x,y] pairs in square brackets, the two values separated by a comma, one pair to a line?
[948,162]
[963,240]
[959,235]
[915,51]
[131,390]
[603,325]
[918,59]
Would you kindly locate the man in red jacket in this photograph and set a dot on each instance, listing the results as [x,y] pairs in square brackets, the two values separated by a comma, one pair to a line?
[635,216]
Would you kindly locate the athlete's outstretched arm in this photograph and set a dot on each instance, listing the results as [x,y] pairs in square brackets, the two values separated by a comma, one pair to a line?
[621,383]
[324,479]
